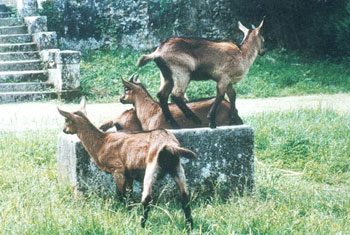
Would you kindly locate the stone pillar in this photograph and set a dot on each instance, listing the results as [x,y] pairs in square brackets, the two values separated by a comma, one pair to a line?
[65,76]
[3,8]
[26,8]
[45,40]
[36,24]
[225,163]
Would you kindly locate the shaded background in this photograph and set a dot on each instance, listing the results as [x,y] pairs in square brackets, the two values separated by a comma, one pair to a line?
[320,26]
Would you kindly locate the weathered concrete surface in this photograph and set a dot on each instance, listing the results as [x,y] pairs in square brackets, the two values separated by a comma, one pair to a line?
[143,24]
[45,40]
[225,162]
[26,8]
[27,55]
[36,24]
[65,76]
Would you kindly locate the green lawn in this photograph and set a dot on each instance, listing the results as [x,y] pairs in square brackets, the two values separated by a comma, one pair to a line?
[302,186]
[277,73]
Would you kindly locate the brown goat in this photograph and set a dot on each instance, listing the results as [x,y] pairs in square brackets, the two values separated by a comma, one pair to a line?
[125,121]
[150,114]
[142,156]
[181,60]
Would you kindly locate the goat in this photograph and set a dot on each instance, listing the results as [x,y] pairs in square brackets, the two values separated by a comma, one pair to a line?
[150,115]
[125,121]
[142,156]
[181,60]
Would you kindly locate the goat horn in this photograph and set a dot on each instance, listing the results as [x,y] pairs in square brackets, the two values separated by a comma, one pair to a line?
[244,30]
[136,79]
[83,104]
[262,22]
[131,78]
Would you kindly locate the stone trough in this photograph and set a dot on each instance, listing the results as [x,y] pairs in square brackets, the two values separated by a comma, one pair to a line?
[225,163]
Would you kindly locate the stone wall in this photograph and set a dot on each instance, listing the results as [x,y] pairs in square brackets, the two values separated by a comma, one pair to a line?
[11,3]
[225,163]
[143,24]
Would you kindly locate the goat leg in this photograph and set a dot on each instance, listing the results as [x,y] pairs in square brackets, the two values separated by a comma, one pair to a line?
[120,181]
[146,209]
[163,96]
[166,112]
[105,126]
[184,108]
[235,119]
[212,112]
[180,179]
[150,176]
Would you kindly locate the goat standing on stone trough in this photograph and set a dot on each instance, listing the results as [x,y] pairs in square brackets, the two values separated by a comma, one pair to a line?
[181,60]
[150,115]
[142,156]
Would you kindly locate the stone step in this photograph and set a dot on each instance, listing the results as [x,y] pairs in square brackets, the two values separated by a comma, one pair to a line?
[25,55]
[3,8]
[24,86]
[10,21]
[16,38]
[21,65]
[28,96]
[19,29]
[18,47]
[23,76]
[5,14]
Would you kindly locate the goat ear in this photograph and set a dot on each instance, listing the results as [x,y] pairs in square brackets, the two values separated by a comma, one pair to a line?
[131,78]
[127,84]
[136,79]
[83,105]
[65,114]
[244,29]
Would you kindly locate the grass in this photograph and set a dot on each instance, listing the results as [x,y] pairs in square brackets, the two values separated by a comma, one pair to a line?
[302,186]
[278,73]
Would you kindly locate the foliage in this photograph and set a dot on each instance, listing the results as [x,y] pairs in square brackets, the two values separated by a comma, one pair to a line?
[278,73]
[75,19]
[322,26]
[316,142]
[318,25]
[54,18]
[32,201]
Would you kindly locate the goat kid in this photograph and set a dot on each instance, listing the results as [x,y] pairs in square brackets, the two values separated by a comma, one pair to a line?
[142,156]
[181,60]
[150,114]
[125,121]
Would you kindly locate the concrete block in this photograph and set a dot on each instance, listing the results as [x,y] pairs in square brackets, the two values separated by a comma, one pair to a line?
[225,163]
[68,57]
[63,68]
[45,40]
[36,24]
[26,8]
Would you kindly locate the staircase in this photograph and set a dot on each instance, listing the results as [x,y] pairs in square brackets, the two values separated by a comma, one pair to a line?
[22,73]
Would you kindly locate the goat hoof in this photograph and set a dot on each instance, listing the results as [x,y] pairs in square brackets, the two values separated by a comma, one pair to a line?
[189,224]
[174,125]
[196,120]
[143,222]
[212,125]
[237,121]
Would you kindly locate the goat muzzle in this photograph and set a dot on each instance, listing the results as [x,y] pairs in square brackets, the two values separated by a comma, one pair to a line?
[262,51]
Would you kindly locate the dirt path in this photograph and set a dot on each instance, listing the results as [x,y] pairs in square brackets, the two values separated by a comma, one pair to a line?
[32,116]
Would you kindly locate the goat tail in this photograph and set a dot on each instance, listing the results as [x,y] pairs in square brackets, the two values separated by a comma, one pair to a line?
[144,59]
[180,152]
